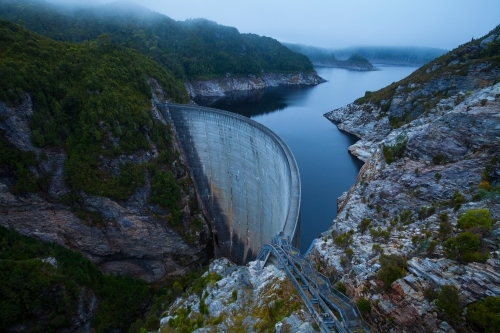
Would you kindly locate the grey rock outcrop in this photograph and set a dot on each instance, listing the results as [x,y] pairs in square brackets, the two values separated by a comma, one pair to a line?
[241,298]
[219,87]
[354,66]
[448,145]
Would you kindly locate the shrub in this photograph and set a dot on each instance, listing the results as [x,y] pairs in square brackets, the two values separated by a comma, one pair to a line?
[448,300]
[475,218]
[379,234]
[485,314]
[234,295]
[425,212]
[344,239]
[445,227]
[431,246]
[439,159]
[393,153]
[430,294]
[457,199]
[392,267]
[364,305]
[464,248]
[405,217]
[377,248]
[340,286]
[363,225]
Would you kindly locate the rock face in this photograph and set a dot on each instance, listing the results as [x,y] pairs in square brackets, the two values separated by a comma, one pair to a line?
[242,299]
[219,87]
[354,66]
[449,131]
[133,238]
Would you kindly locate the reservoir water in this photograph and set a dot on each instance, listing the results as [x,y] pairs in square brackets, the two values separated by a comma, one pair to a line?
[295,113]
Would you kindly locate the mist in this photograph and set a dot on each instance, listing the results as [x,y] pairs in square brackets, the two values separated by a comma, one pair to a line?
[339,24]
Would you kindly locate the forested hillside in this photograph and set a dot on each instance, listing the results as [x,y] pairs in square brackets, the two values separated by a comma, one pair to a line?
[85,161]
[193,49]
[90,99]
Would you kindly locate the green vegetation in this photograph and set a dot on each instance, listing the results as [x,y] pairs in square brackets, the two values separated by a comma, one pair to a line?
[364,305]
[363,225]
[448,300]
[198,48]
[356,58]
[466,247]
[379,234]
[84,97]
[93,101]
[425,212]
[445,227]
[485,188]
[485,314]
[392,267]
[340,286]
[396,151]
[17,164]
[475,219]
[46,298]
[344,240]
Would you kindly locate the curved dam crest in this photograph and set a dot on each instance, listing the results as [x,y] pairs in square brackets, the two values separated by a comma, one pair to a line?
[246,177]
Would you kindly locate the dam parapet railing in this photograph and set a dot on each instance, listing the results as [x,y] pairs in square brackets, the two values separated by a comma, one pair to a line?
[246,177]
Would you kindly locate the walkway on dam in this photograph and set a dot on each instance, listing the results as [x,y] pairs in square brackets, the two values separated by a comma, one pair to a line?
[314,288]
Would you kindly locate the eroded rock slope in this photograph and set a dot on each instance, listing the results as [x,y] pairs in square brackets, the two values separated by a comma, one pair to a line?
[127,237]
[431,146]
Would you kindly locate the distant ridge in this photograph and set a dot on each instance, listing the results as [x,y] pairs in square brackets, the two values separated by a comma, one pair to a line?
[192,49]
[391,55]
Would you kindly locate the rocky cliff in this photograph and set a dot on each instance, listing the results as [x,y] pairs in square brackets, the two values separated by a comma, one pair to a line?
[239,299]
[354,66]
[431,145]
[127,237]
[219,87]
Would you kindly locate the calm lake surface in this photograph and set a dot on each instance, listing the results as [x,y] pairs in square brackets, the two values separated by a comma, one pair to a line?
[296,115]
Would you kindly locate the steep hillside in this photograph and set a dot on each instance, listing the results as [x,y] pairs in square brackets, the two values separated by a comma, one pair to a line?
[417,235]
[87,162]
[193,49]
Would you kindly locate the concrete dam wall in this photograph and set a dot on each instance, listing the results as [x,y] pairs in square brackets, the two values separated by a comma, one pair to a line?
[246,177]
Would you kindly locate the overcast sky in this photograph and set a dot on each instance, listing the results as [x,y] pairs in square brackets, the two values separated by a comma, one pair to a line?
[337,24]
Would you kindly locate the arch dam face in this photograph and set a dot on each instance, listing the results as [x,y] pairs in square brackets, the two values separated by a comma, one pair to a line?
[245,175]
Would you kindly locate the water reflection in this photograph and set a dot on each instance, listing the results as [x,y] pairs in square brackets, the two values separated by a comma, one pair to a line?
[256,102]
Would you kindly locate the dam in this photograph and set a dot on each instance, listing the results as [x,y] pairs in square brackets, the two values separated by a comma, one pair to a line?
[246,177]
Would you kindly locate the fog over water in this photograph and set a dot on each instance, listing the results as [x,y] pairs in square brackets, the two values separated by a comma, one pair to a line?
[337,24]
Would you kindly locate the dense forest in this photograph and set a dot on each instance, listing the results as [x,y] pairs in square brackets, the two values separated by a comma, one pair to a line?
[193,49]
[91,100]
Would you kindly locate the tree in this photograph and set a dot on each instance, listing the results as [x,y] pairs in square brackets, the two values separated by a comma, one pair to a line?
[485,314]
[448,300]
[464,247]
